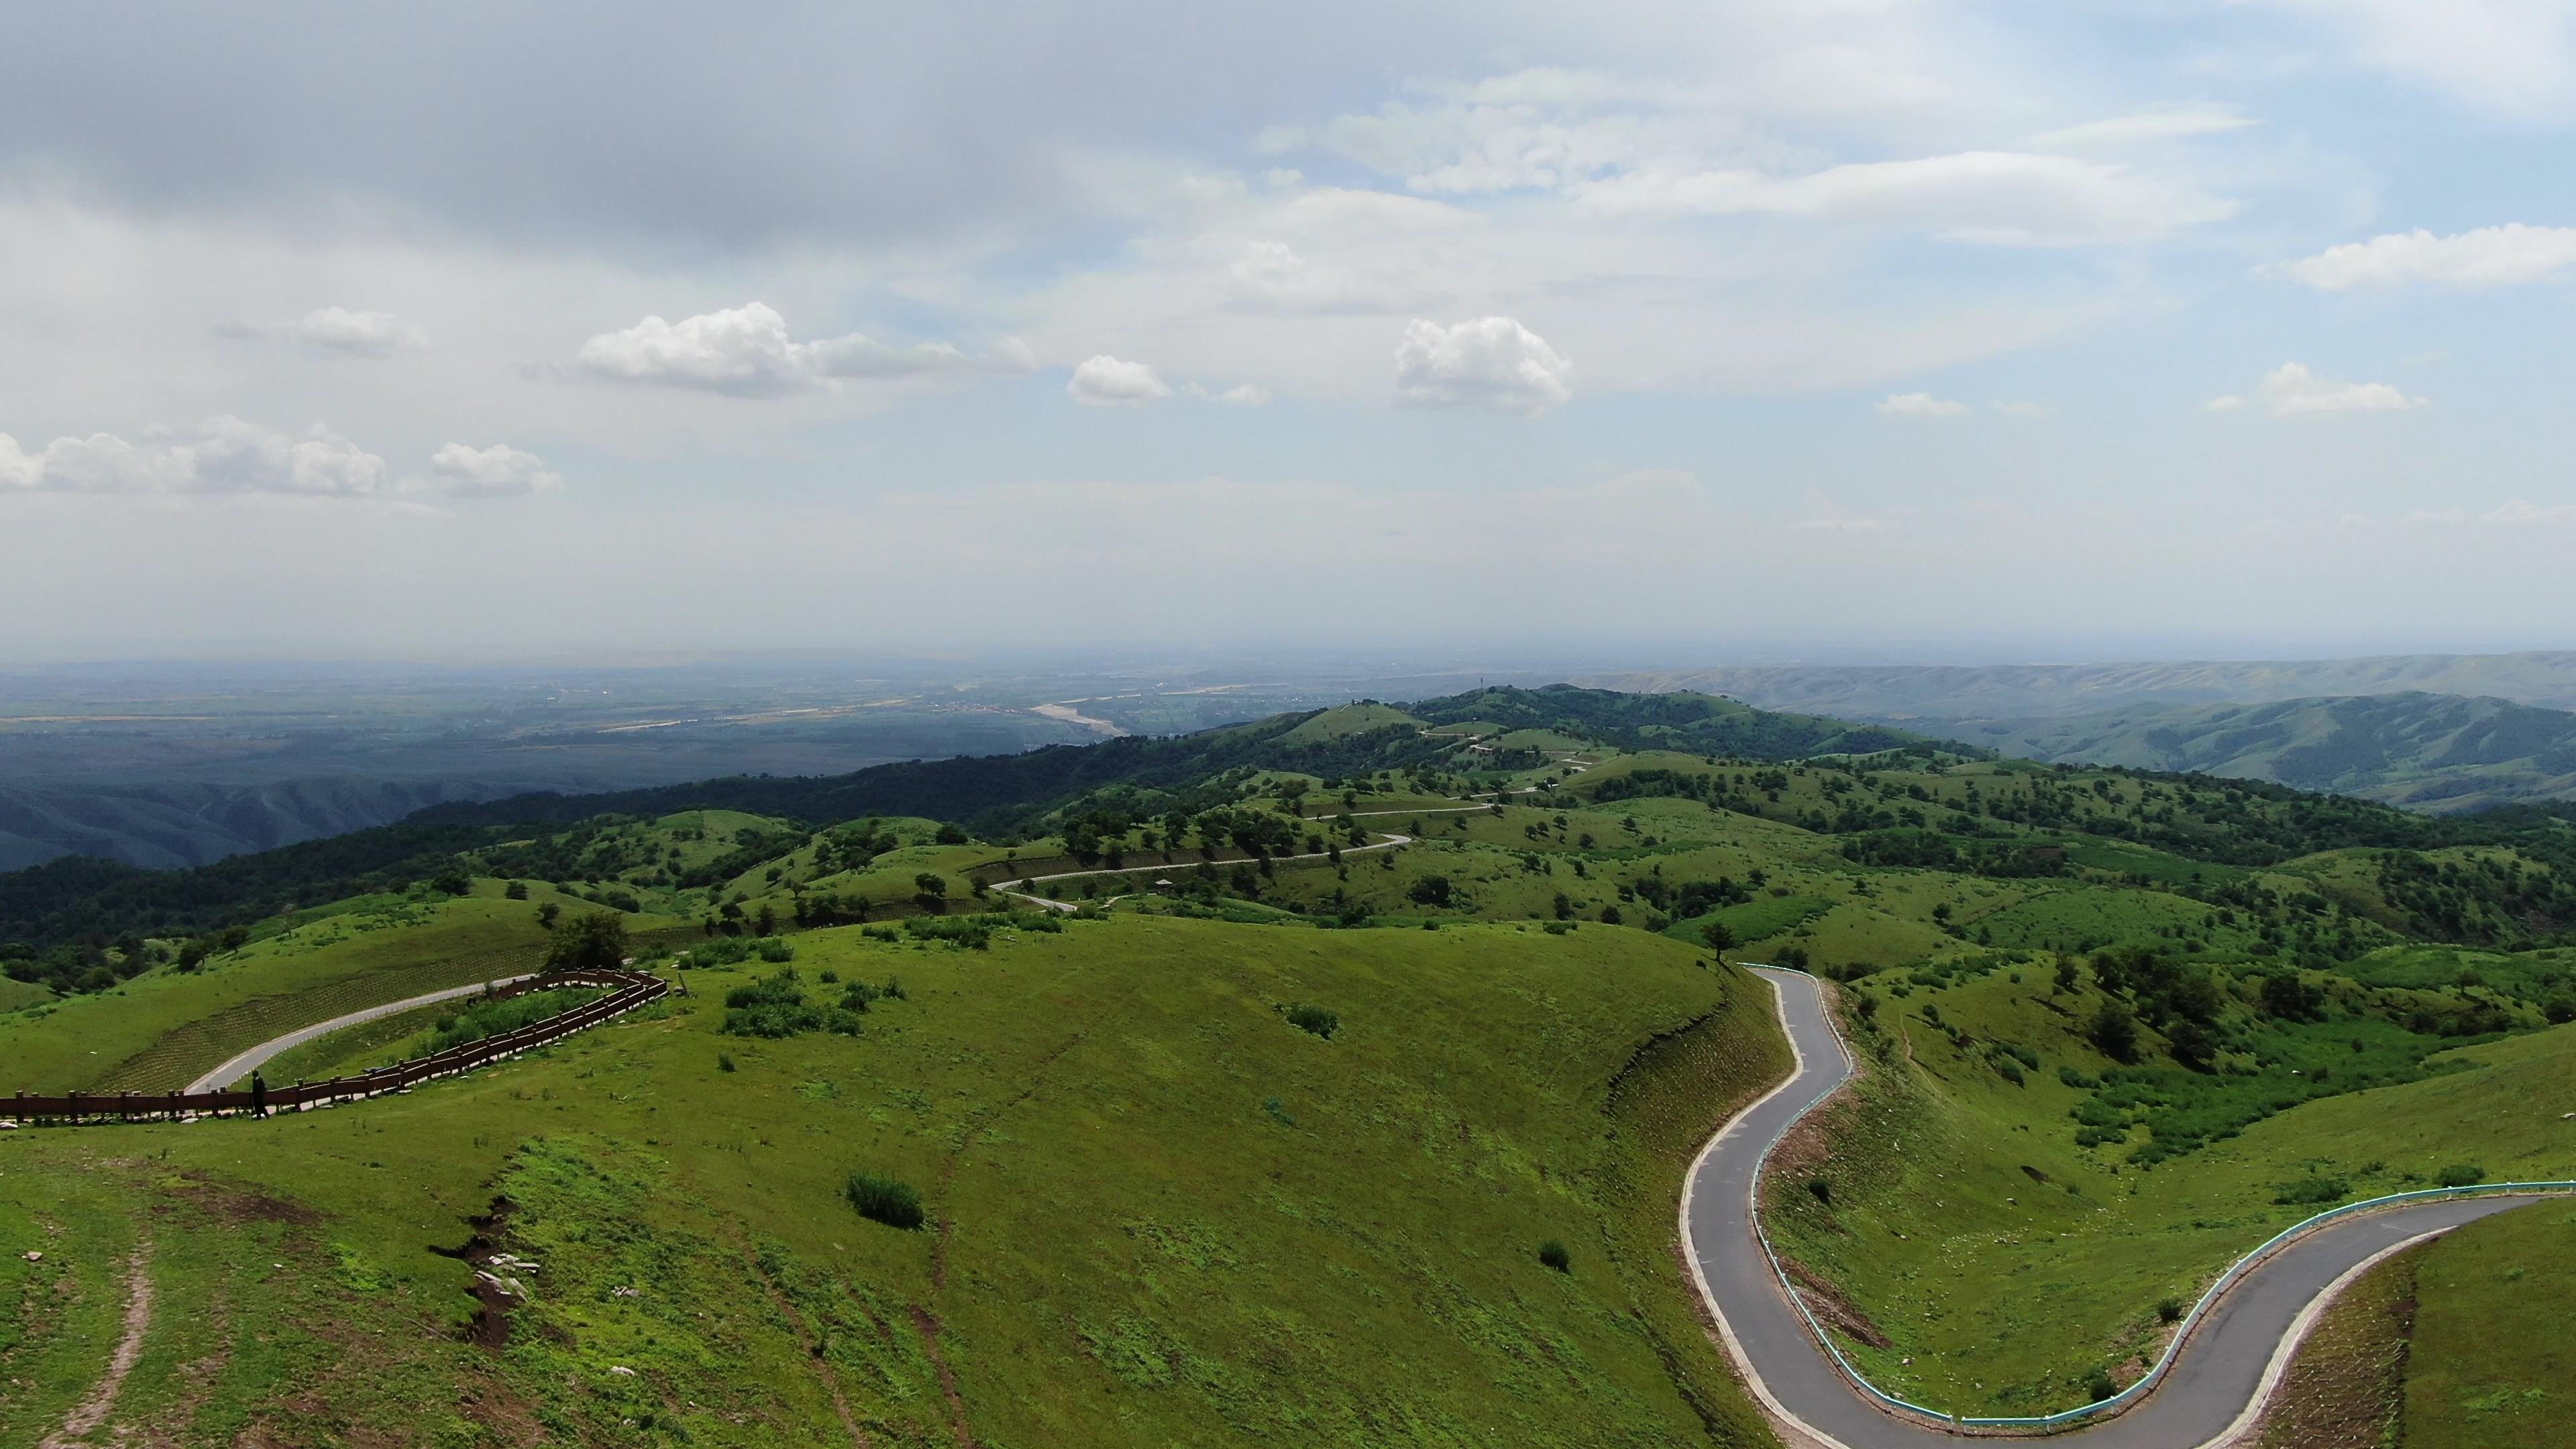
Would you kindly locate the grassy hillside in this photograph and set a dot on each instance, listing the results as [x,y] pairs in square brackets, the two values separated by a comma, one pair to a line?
[1516,905]
[1157,1212]
[2001,1200]
[2424,751]
[2491,1356]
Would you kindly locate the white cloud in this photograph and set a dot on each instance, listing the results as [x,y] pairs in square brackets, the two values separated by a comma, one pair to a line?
[1104,381]
[2522,510]
[500,471]
[1921,405]
[1271,276]
[1242,394]
[224,455]
[2513,57]
[746,352]
[1490,362]
[2493,256]
[339,332]
[2293,389]
[2176,123]
[2021,410]
[2003,198]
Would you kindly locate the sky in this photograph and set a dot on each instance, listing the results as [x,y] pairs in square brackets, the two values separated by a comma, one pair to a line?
[1905,329]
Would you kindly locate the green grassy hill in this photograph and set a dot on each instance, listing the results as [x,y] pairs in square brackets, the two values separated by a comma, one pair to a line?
[1157,1212]
[2435,752]
[1231,1228]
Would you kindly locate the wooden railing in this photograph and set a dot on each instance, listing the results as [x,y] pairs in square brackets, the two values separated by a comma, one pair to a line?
[627,990]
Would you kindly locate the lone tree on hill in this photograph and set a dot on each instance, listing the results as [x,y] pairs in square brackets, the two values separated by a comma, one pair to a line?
[595,941]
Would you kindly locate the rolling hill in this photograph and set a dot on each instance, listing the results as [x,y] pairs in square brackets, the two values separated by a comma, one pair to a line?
[2433,752]
[1904,693]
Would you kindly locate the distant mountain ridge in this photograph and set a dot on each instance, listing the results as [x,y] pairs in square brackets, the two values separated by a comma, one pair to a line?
[2433,752]
[1907,694]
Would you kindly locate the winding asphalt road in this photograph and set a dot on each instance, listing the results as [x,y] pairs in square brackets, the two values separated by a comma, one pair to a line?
[2209,1397]
[249,1061]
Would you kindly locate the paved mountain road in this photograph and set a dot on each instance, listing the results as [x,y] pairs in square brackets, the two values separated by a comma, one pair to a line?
[2207,1396]
[249,1061]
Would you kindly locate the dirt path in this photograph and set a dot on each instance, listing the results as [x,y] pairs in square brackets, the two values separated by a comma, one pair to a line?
[91,1411]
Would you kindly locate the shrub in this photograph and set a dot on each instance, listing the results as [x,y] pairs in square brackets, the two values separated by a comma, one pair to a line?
[2114,1030]
[2312,1190]
[2169,1310]
[772,1007]
[724,1061]
[1823,1190]
[2100,1387]
[1554,1255]
[2461,1174]
[1315,1019]
[884,1200]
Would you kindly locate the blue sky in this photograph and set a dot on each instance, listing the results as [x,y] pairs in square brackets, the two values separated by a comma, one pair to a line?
[1898,327]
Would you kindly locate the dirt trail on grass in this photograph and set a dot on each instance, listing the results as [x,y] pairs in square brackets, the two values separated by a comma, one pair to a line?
[91,1411]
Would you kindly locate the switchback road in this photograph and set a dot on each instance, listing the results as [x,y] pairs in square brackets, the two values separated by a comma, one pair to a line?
[2211,1394]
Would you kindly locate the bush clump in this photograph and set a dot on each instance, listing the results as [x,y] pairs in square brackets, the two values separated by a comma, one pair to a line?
[498,1016]
[884,1200]
[2461,1174]
[734,950]
[1553,1254]
[2310,1191]
[1315,1019]
[773,1007]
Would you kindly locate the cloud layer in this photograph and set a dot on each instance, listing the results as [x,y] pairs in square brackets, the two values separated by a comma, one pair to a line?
[227,455]
[338,332]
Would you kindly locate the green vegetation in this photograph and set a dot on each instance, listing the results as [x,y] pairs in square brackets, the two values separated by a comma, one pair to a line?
[2119,1028]
[1124,1235]
[2012,1233]
[2491,1360]
[2440,752]
[884,1200]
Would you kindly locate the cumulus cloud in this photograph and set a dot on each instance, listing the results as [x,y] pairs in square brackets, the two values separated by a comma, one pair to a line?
[1921,405]
[2003,198]
[338,332]
[1490,362]
[2493,256]
[1242,394]
[1104,381]
[746,352]
[2293,389]
[463,471]
[224,455]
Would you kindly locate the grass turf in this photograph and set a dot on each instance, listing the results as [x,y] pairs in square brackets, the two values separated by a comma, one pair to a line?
[1160,1213]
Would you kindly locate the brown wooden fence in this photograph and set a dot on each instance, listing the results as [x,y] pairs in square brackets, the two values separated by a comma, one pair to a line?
[627,990]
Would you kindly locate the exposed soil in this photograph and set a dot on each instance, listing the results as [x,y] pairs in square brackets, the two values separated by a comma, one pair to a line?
[490,1330]
[1831,1307]
[928,1328]
[2346,1388]
[92,1410]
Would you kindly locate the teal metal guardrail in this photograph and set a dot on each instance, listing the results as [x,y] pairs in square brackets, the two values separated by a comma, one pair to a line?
[2182,1333]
